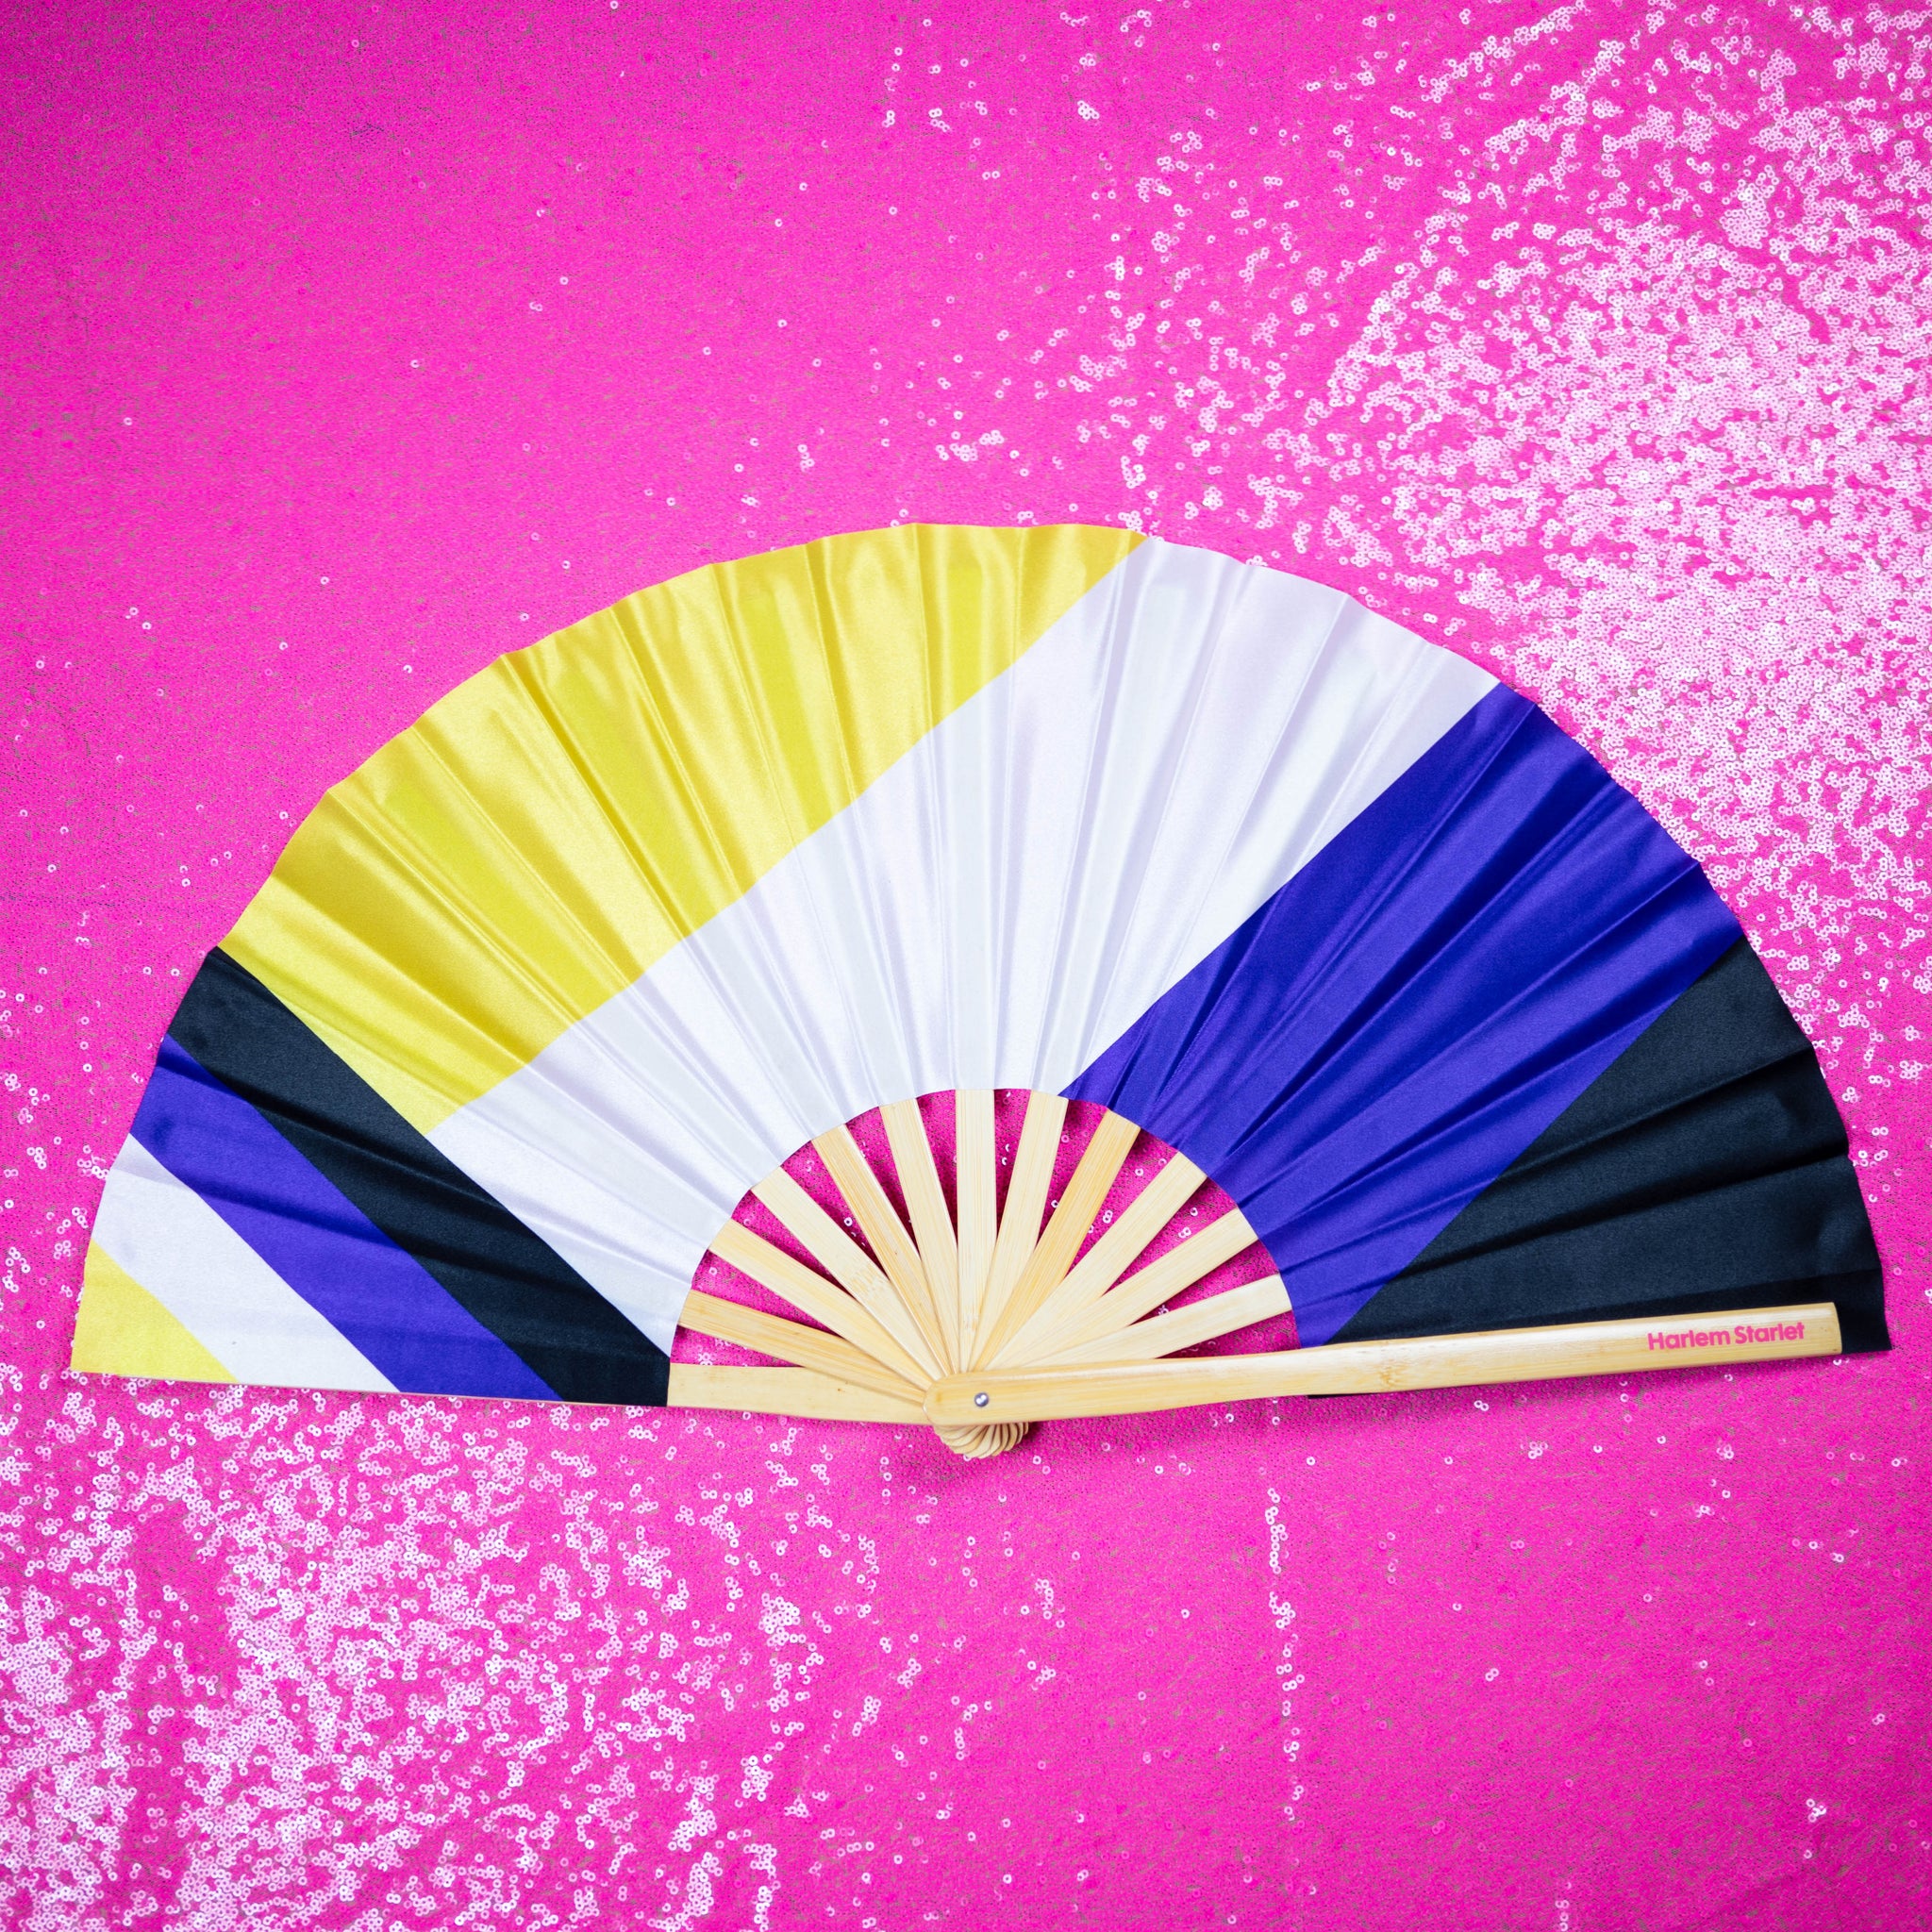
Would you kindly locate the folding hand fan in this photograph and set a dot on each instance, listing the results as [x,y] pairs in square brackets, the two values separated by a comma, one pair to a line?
[1031,957]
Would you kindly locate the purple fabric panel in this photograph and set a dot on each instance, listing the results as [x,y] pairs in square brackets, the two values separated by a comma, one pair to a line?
[315,1237]
[1414,1007]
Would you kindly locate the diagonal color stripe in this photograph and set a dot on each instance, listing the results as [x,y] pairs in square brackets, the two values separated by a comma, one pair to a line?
[1397,1024]
[1705,1169]
[523,1291]
[1006,900]
[174,1246]
[317,1240]
[551,828]
[121,1329]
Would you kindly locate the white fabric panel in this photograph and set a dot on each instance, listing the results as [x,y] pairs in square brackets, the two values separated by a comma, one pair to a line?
[993,911]
[217,1287]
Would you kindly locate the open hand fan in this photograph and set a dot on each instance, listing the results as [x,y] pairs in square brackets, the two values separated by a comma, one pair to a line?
[993,965]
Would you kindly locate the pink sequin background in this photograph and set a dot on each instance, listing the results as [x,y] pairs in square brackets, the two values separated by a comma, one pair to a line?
[346,346]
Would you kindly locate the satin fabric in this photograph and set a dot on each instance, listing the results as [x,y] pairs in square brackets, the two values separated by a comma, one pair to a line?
[221,1296]
[560,1328]
[536,996]
[993,911]
[1705,1169]
[1392,1030]
[372,1291]
[545,834]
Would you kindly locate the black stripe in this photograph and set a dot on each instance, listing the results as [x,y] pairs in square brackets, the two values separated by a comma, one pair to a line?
[516,1285]
[1705,1168]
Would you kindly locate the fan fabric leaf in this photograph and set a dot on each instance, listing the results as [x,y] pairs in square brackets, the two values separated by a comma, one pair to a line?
[549,830]
[573,968]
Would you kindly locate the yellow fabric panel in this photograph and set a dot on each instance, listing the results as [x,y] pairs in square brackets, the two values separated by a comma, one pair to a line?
[122,1330]
[547,831]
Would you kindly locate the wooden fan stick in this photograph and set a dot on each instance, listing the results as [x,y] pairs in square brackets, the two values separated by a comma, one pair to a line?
[1107,1260]
[845,1262]
[1141,1295]
[1026,1192]
[815,1296]
[790,1341]
[1371,1368]
[853,1175]
[786,1392]
[1047,1265]
[932,1223]
[1203,1321]
[976,1181]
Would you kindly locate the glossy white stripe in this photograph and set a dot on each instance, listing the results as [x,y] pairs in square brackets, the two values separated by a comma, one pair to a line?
[217,1287]
[994,911]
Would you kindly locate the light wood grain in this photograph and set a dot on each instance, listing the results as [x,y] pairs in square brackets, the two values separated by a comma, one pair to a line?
[1073,1220]
[898,1253]
[789,1342]
[1141,1295]
[785,1391]
[932,1221]
[1363,1368]
[976,1181]
[813,1296]
[1107,1260]
[1027,1191]
[846,1262]
[1203,1321]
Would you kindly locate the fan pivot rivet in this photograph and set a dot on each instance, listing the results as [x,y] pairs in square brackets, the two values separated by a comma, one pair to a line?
[980,1400]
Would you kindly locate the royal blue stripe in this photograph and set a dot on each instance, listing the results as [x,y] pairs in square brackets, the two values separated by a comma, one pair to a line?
[317,1240]
[1378,1042]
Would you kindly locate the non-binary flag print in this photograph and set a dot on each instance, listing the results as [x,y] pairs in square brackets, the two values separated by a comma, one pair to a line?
[536,996]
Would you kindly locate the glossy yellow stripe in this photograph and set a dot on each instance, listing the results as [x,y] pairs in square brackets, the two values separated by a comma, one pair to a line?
[547,831]
[122,1330]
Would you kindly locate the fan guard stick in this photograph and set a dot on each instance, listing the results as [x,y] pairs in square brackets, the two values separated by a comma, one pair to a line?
[981,1322]
[1379,1368]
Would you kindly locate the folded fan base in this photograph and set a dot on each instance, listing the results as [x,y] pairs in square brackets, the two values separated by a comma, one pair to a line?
[981,1316]
[973,1284]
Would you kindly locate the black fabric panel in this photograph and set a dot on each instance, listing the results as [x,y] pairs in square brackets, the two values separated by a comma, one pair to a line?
[1705,1168]
[517,1285]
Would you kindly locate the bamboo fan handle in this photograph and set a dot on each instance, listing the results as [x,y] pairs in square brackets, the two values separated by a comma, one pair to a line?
[1373,1368]
[986,1325]
[786,1391]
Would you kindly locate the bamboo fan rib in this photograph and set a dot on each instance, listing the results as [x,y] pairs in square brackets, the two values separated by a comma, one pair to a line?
[966,1286]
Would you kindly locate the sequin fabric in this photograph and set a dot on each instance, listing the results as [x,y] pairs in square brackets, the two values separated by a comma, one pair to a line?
[346,347]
